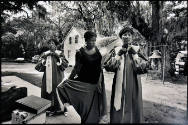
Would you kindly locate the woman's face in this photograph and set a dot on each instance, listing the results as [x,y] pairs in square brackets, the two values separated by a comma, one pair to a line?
[127,38]
[52,46]
[90,43]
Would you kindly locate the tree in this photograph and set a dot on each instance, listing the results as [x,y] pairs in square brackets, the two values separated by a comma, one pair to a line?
[86,11]
[175,22]
[58,17]
[66,14]
[14,7]
[156,22]
[141,19]
[134,13]
[34,30]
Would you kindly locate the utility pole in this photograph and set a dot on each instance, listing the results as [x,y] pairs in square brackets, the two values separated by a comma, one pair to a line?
[164,62]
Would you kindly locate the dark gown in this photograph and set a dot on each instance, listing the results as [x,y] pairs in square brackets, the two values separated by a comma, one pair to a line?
[86,92]
[91,67]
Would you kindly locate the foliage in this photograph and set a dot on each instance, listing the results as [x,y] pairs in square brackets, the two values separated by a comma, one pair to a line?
[28,32]
[14,7]
[81,13]
[176,20]
[134,13]
[104,17]
[121,8]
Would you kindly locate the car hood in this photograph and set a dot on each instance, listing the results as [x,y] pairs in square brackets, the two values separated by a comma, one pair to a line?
[180,63]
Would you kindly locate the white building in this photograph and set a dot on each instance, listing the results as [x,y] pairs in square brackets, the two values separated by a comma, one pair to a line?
[72,42]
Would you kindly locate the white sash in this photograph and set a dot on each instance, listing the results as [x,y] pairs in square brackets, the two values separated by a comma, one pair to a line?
[49,71]
[49,74]
[119,82]
[119,77]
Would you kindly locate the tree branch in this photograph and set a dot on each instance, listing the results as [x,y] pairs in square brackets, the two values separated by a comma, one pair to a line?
[26,13]
[51,21]
[81,12]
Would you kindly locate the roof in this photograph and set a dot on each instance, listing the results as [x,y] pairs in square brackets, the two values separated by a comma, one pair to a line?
[156,54]
[80,30]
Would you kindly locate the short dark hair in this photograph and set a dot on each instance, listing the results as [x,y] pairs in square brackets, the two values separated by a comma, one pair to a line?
[89,34]
[124,30]
[54,40]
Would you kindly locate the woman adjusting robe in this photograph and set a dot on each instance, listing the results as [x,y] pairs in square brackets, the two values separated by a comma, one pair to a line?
[53,66]
[85,88]
[126,98]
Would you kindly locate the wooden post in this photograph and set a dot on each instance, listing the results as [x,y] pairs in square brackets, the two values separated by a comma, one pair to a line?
[164,62]
[147,49]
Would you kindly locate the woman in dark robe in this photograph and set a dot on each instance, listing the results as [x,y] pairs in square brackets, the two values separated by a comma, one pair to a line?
[126,98]
[85,88]
[53,64]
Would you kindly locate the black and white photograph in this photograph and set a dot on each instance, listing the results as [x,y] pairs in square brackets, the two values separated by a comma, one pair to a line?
[93,62]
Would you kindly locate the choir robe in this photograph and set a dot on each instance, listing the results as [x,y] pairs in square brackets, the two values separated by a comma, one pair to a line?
[56,77]
[126,99]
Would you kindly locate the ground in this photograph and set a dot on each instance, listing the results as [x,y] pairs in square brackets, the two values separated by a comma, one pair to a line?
[162,103]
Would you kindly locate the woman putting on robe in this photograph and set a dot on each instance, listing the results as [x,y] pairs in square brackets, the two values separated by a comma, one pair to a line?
[126,98]
[85,88]
[53,64]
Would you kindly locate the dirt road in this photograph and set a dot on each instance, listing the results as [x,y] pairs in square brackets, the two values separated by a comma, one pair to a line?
[161,103]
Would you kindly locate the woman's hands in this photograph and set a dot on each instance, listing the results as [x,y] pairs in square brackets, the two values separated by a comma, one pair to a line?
[122,51]
[130,50]
[50,53]
[43,62]
[46,54]
[59,63]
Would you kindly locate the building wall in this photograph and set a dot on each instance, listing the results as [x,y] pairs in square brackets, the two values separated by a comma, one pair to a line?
[70,49]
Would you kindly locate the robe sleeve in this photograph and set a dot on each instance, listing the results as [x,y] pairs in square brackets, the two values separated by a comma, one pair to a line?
[41,63]
[140,65]
[111,61]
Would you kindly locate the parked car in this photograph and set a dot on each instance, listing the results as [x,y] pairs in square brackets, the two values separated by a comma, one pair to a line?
[180,62]
[35,58]
[19,60]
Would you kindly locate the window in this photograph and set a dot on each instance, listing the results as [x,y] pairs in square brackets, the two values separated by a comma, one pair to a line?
[69,51]
[76,38]
[41,16]
[70,40]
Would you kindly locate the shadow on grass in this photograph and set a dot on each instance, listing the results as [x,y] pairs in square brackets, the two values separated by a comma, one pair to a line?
[177,80]
[161,113]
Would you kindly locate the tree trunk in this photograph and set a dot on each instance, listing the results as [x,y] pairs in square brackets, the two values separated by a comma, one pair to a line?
[157,29]
[168,64]
[156,37]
